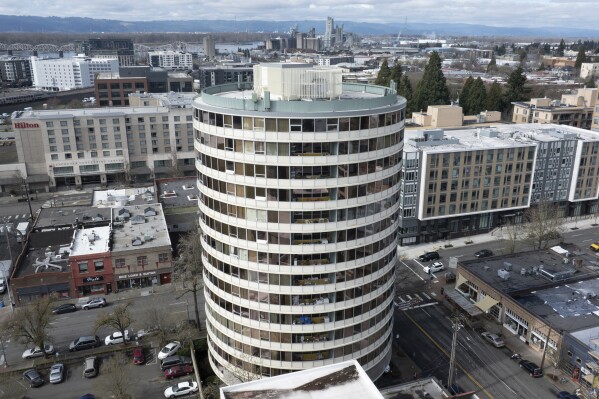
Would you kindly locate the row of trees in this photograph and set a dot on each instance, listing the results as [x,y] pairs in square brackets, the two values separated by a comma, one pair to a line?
[432,89]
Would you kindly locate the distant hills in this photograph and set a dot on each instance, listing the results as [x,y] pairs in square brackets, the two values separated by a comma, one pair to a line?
[13,23]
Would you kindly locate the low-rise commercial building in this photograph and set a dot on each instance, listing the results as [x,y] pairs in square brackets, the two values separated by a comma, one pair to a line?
[141,247]
[179,199]
[588,69]
[90,261]
[545,298]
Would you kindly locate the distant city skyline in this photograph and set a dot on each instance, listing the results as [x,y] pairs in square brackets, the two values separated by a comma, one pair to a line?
[500,13]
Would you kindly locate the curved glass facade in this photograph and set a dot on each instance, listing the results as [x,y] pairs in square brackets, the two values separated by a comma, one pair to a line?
[299,213]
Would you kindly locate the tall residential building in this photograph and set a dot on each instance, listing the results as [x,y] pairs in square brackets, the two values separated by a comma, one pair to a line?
[209,47]
[122,49]
[59,74]
[588,69]
[171,60]
[329,33]
[572,110]
[471,181]
[14,69]
[298,179]
[213,76]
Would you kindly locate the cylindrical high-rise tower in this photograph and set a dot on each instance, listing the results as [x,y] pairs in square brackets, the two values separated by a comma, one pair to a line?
[299,198]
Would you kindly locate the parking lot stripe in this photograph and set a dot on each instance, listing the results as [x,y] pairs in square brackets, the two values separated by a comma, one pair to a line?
[426,295]
[409,297]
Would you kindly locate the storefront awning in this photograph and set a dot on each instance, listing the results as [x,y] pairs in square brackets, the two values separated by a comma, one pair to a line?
[486,303]
[463,303]
[461,280]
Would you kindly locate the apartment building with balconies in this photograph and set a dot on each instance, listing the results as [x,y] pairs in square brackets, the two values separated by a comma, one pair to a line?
[298,178]
[462,182]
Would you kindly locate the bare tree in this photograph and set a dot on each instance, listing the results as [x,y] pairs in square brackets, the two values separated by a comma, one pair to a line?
[167,326]
[544,223]
[120,319]
[188,268]
[117,381]
[30,324]
[125,176]
[513,234]
[175,168]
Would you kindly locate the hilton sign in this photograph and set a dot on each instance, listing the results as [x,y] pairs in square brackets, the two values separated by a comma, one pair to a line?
[26,125]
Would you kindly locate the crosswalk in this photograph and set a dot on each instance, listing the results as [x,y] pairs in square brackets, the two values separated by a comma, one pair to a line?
[15,218]
[414,300]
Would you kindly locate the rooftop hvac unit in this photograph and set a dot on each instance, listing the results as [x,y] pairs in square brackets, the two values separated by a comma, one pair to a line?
[503,274]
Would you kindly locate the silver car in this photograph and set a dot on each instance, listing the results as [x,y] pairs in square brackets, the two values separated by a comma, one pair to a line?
[56,373]
[94,303]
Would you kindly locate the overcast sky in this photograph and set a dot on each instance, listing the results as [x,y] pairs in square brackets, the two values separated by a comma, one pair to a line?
[520,13]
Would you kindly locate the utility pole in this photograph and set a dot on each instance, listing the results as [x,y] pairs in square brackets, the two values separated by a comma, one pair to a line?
[8,288]
[545,348]
[26,187]
[456,324]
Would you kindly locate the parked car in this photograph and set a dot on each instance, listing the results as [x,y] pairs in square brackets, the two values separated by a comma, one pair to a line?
[494,339]
[567,395]
[56,373]
[178,371]
[138,355]
[146,332]
[85,343]
[94,303]
[90,367]
[434,268]
[65,308]
[116,338]
[181,389]
[37,352]
[169,350]
[33,378]
[532,368]
[483,253]
[174,361]
[428,256]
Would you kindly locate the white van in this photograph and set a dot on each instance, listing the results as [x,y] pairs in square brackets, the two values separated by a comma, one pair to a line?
[22,230]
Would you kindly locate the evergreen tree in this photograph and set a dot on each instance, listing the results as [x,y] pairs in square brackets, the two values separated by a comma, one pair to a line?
[477,99]
[494,97]
[432,89]
[465,95]
[492,66]
[395,74]
[405,90]
[561,48]
[382,79]
[591,81]
[515,87]
[580,58]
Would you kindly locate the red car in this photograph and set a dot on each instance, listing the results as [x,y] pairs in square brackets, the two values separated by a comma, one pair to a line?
[138,356]
[178,371]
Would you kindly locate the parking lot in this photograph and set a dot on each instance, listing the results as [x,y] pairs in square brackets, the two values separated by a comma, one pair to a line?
[146,381]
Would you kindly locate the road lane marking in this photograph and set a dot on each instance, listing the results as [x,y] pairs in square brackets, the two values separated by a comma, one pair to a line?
[178,303]
[410,269]
[470,377]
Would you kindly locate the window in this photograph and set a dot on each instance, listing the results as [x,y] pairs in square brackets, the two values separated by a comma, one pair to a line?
[163,257]
[99,265]
[82,267]
[119,263]
[142,261]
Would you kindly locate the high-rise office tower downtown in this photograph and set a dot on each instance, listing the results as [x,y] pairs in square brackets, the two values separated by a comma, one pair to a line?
[299,181]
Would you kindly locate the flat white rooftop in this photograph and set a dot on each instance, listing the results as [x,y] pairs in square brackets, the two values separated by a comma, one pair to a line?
[498,136]
[90,241]
[346,380]
[139,227]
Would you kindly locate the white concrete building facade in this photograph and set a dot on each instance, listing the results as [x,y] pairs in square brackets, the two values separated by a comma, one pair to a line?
[298,199]
[58,74]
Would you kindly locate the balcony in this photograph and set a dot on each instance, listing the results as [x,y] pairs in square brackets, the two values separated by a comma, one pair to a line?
[311,320]
[310,262]
[313,281]
[310,221]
